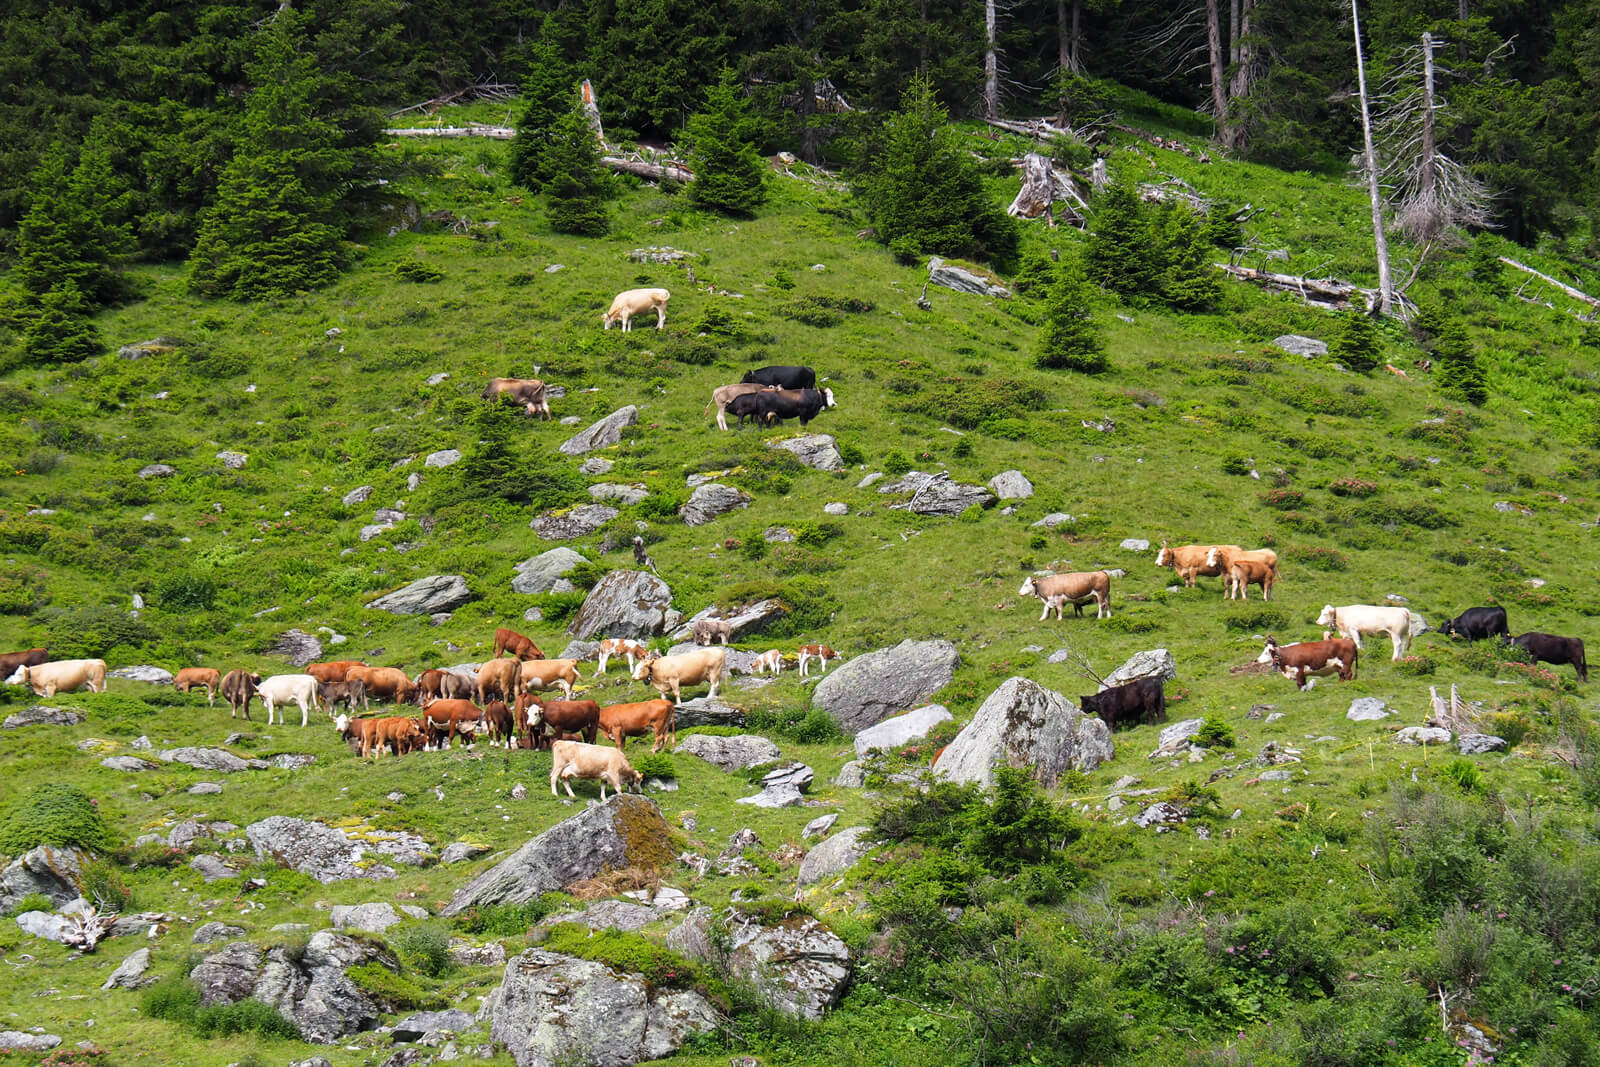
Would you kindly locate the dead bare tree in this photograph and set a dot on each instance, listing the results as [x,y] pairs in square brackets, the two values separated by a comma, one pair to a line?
[1379,239]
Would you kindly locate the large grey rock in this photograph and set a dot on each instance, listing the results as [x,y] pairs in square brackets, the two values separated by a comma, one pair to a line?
[603,434]
[229,975]
[41,715]
[212,868]
[892,733]
[624,604]
[212,932]
[143,673]
[1423,735]
[580,521]
[313,849]
[374,918]
[425,596]
[233,460]
[448,457]
[595,465]
[775,796]
[1478,744]
[852,775]
[296,646]
[1178,734]
[710,500]
[1367,709]
[748,620]
[26,1042]
[419,1024]
[607,915]
[128,763]
[1011,485]
[309,988]
[1135,544]
[212,759]
[542,573]
[457,851]
[625,831]
[936,494]
[622,494]
[817,450]
[963,281]
[1025,725]
[835,855]
[359,495]
[130,972]
[1154,663]
[730,753]
[554,1009]
[185,833]
[50,870]
[1296,345]
[870,688]
[798,966]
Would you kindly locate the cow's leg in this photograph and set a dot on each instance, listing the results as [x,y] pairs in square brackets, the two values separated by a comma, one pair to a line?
[604,659]
[661,316]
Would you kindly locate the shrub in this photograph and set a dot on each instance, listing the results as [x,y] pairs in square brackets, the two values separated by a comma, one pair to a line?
[79,632]
[806,726]
[410,270]
[896,463]
[654,764]
[1237,465]
[1355,487]
[1282,499]
[1358,345]
[177,1000]
[187,591]
[629,952]
[1416,665]
[424,947]
[1317,558]
[1071,338]
[1513,726]
[1214,733]
[1253,620]
[970,403]
[1403,513]
[32,902]
[54,814]
[509,920]
[399,991]
[103,886]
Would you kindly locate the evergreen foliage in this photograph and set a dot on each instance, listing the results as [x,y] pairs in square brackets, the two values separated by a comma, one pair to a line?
[1358,345]
[1122,256]
[495,468]
[729,174]
[59,329]
[1188,280]
[53,814]
[1456,366]
[1483,259]
[547,96]
[575,186]
[73,229]
[1071,338]
[923,190]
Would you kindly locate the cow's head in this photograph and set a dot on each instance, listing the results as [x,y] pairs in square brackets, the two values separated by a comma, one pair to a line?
[19,676]
[1164,557]
[342,723]
[1329,614]
[1270,653]
[827,398]
[1028,588]
[1449,628]
[1213,556]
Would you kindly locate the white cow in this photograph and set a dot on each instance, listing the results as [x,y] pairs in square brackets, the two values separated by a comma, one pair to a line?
[284,689]
[631,302]
[61,676]
[1353,620]
[574,759]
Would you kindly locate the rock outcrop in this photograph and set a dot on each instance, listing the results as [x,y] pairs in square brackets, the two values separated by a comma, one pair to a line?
[425,596]
[603,434]
[870,688]
[798,966]
[546,572]
[710,500]
[1025,725]
[625,604]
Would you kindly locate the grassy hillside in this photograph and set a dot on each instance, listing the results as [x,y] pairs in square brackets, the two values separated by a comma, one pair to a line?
[1368,486]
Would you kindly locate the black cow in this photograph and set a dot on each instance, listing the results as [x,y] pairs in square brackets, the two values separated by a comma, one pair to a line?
[1478,624]
[803,404]
[1550,648]
[782,377]
[1141,700]
[749,406]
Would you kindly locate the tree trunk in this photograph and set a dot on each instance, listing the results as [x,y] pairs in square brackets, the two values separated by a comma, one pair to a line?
[1380,241]
[1219,87]
[1241,56]
[653,171]
[991,63]
[1425,185]
[592,111]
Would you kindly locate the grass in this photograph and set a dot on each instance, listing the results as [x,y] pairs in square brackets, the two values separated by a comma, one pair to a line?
[227,559]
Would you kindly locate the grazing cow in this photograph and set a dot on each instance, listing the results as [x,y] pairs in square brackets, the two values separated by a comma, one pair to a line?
[1299,661]
[748,406]
[621,646]
[501,723]
[1077,588]
[396,733]
[1550,648]
[238,687]
[32,657]
[1141,700]
[498,679]
[630,302]
[622,721]
[1353,620]
[349,693]
[443,719]
[384,683]
[574,759]
[802,404]
[514,643]
[1478,624]
[1243,573]
[581,717]
[708,630]
[1189,561]
[548,674]
[674,672]
[723,395]
[61,676]
[782,377]
[531,393]
[770,660]
[821,653]
[333,670]
[281,690]
[207,678]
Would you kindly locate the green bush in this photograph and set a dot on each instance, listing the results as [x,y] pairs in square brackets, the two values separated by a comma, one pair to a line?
[32,902]
[896,463]
[509,920]
[1214,733]
[806,726]
[1282,499]
[423,947]
[410,270]
[400,992]
[104,887]
[971,403]
[628,952]
[654,764]
[54,814]
[1237,465]
[1418,666]
[177,1000]
[1255,620]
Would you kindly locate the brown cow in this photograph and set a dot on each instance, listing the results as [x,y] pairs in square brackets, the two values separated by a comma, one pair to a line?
[622,721]
[501,723]
[498,679]
[1243,573]
[349,693]
[207,678]
[443,719]
[514,643]
[1190,561]
[574,759]
[237,689]
[1298,661]
[384,683]
[333,670]
[10,661]
[398,733]
[430,685]
[548,674]
[532,393]
[558,717]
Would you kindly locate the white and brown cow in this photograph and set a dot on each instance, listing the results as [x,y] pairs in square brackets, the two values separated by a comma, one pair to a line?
[672,673]
[1299,661]
[1076,588]
[621,646]
[531,393]
[821,653]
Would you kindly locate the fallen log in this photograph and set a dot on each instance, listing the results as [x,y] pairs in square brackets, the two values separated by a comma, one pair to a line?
[654,171]
[1328,293]
[1576,294]
[498,133]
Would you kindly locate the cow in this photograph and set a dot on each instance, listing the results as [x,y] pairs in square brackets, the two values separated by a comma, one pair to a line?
[1550,648]
[397,733]
[770,660]
[61,676]
[502,725]
[658,717]
[1141,700]
[349,693]
[782,377]
[333,670]
[514,643]
[430,685]
[708,630]
[574,759]
[674,672]
[384,683]
[723,395]
[1299,661]
[1189,561]
[1478,624]
[207,678]
[1223,557]
[498,679]
[630,302]
[443,719]
[1077,588]
[281,690]
[238,687]
[32,657]
[821,653]
[749,406]
[548,674]
[802,404]
[1243,573]
[531,393]
[581,717]
[621,646]
[1353,620]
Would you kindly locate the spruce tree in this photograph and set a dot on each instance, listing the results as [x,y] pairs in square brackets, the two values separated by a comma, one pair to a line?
[1188,280]
[1456,367]
[575,186]
[1483,258]
[1123,252]
[59,329]
[73,229]
[1358,345]
[729,174]
[547,93]
[1071,338]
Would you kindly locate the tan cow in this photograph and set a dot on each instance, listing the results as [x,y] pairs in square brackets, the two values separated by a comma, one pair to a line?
[529,392]
[499,679]
[723,395]
[1189,561]
[1076,588]
[622,721]
[1225,556]
[631,302]
[333,670]
[543,674]
[672,673]
[574,759]
[61,676]
[207,678]
[396,732]
[1243,573]
[384,683]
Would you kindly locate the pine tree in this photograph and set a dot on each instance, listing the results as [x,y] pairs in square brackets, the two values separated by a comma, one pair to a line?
[1456,367]
[59,329]
[1123,254]
[575,188]
[1188,280]
[1483,259]
[729,174]
[1358,345]
[73,229]
[547,91]
[1071,338]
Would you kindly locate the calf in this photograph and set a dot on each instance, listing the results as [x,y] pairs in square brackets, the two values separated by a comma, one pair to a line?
[32,657]
[501,723]
[514,643]
[630,302]
[1141,700]
[498,679]
[1478,624]
[1077,588]
[549,674]
[1224,557]
[1353,620]
[396,733]
[723,395]
[821,653]
[574,759]
[207,678]
[708,630]
[1243,573]
[349,693]
[782,377]
[658,717]
[621,646]
[61,676]
[281,690]
[1298,661]
[528,392]
[771,660]
[674,672]
[1550,648]
[580,717]
[238,687]
[1189,561]
[748,406]
[443,719]
[430,686]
